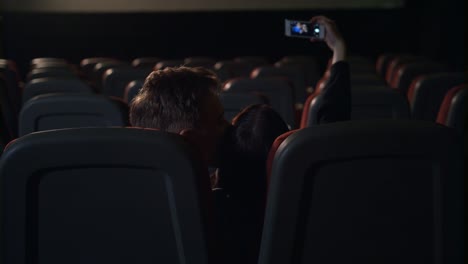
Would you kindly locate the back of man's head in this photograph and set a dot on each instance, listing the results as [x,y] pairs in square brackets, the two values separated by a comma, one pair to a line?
[170,99]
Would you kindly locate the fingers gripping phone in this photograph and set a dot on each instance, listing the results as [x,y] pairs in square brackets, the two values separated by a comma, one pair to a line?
[304,29]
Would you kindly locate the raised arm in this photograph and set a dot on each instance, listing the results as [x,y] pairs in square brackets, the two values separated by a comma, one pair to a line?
[334,101]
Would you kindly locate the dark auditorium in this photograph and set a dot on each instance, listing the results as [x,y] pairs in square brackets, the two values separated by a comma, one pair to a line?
[233,131]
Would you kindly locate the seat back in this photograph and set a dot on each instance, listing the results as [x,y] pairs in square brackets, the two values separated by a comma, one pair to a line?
[51,73]
[168,63]
[132,90]
[205,62]
[226,70]
[401,60]
[278,91]
[87,65]
[145,62]
[294,73]
[427,93]
[116,80]
[382,63]
[253,61]
[104,195]
[41,60]
[52,85]
[308,65]
[381,191]
[405,74]
[54,111]
[233,103]
[453,111]
[367,102]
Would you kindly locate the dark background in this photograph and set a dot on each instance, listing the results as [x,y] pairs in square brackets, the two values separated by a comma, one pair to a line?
[431,28]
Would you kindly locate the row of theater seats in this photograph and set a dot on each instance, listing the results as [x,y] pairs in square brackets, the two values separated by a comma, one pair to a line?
[387,191]
[278,84]
[365,191]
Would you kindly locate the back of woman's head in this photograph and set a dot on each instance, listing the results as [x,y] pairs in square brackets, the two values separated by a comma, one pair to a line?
[256,128]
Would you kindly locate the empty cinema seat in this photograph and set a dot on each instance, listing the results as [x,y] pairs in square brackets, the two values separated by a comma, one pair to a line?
[233,103]
[453,110]
[54,111]
[116,80]
[278,91]
[253,61]
[104,195]
[87,65]
[367,102]
[51,73]
[132,89]
[101,68]
[382,63]
[400,60]
[309,65]
[381,191]
[145,62]
[168,63]
[230,69]
[205,62]
[427,92]
[406,73]
[294,73]
[53,85]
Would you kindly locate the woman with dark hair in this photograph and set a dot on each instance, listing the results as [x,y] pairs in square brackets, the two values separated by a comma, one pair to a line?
[254,130]
[241,176]
[242,179]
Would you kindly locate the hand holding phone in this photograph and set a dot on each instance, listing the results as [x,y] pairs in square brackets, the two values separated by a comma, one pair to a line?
[304,29]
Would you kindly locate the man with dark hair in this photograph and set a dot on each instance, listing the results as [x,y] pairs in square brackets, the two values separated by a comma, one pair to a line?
[185,101]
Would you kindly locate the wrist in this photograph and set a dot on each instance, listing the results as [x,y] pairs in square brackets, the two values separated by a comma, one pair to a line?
[339,53]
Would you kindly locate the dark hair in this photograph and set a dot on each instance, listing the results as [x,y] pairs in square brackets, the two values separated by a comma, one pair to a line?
[256,128]
[170,99]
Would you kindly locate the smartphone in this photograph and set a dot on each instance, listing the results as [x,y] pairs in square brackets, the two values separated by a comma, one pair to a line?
[303,29]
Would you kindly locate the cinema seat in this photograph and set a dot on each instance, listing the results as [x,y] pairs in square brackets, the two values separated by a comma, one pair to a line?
[253,61]
[309,65]
[101,68]
[399,61]
[51,73]
[104,195]
[53,85]
[453,110]
[406,73]
[380,191]
[132,90]
[168,63]
[205,62]
[37,61]
[427,92]
[382,63]
[367,102]
[278,91]
[116,80]
[145,62]
[294,73]
[55,111]
[233,103]
[229,69]
[87,65]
